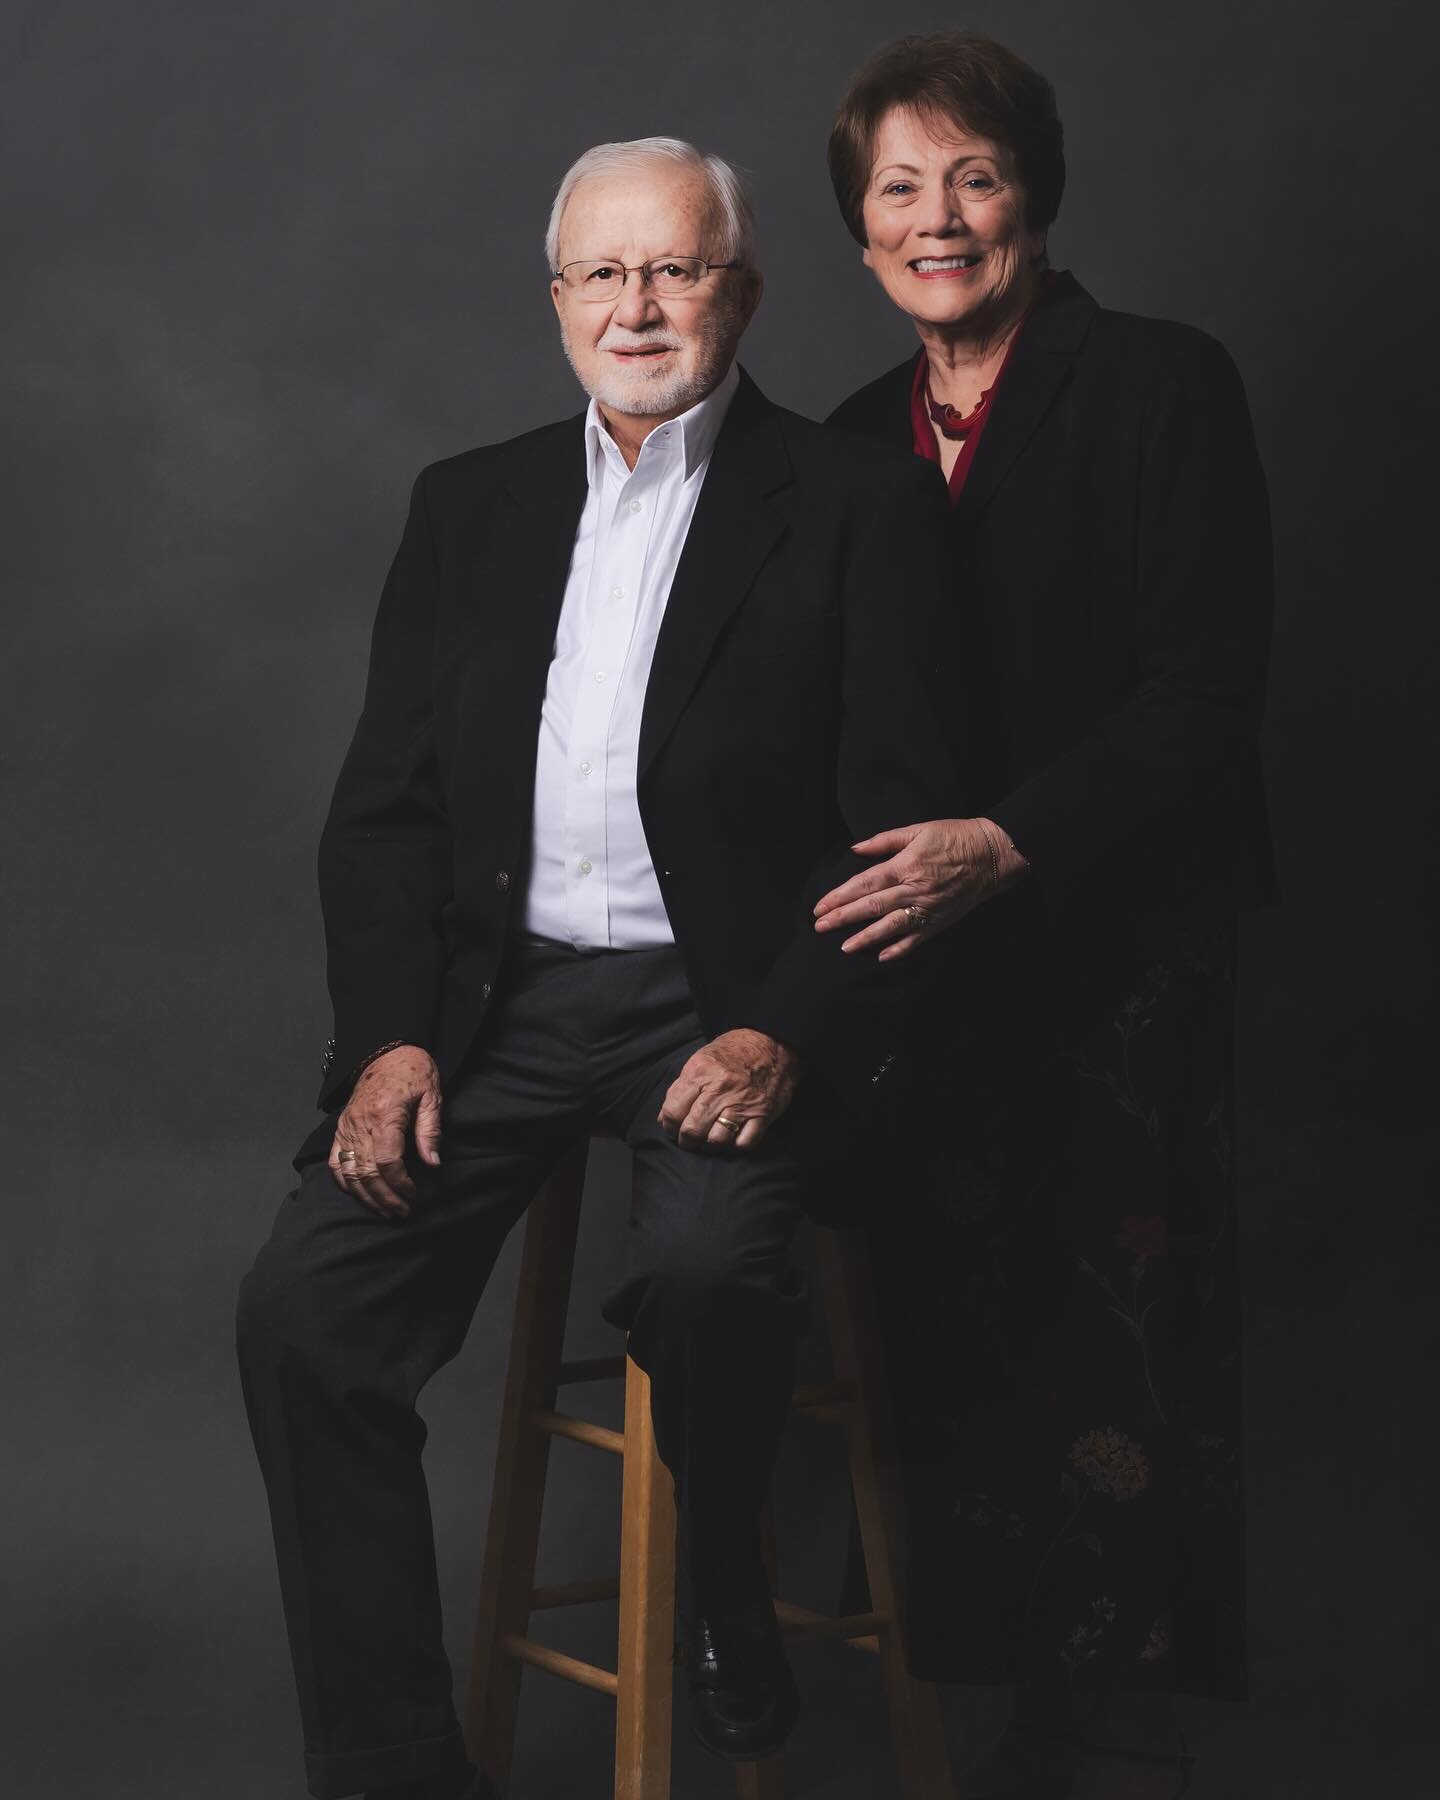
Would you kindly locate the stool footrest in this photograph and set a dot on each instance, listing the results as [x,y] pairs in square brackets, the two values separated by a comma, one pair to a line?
[861,1631]
[555,1662]
[575,1593]
[599,1437]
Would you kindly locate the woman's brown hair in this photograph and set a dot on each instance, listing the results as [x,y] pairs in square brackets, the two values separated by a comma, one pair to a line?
[961,78]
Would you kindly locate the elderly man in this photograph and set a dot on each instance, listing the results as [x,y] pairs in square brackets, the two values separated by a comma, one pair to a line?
[637,682]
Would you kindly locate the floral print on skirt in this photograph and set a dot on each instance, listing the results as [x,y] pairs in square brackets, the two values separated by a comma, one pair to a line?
[1060,1301]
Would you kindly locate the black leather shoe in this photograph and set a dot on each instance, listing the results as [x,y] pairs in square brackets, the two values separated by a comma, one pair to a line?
[743,1698]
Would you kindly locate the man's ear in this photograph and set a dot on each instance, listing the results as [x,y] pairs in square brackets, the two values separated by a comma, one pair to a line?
[555,287]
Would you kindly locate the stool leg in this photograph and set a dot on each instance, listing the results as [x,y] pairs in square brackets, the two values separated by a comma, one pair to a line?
[921,1753]
[512,1540]
[646,1661]
[761,1780]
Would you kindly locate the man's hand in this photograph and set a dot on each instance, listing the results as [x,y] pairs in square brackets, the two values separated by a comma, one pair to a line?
[398,1089]
[743,1074]
[944,868]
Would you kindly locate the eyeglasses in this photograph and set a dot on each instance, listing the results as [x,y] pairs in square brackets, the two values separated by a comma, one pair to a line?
[668,275]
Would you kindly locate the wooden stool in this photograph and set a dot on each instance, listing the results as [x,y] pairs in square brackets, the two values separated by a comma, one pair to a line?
[641,1682]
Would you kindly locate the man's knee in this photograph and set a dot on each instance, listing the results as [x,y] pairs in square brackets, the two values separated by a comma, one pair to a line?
[700,1276]
[709,1306]
[281,1312]
[259,1314]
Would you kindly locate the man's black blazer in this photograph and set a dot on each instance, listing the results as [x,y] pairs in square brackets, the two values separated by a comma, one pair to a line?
[801,697]
[1111,571]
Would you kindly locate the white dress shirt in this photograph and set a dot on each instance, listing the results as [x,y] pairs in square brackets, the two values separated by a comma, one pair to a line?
[592,883]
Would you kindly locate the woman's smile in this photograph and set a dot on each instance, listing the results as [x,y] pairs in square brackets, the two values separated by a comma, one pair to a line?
[944,268]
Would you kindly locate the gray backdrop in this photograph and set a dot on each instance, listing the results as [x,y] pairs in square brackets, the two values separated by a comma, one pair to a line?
[266,260]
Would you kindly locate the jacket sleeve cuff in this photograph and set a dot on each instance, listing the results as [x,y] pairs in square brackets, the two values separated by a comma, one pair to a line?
[346,1054]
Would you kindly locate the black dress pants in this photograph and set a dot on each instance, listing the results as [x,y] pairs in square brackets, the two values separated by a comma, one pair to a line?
[345,1316]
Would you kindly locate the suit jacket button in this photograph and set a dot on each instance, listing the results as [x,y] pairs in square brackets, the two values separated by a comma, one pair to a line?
[484,990]
[502,881]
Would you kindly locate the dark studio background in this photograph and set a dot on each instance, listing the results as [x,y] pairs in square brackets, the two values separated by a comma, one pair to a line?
[262,263]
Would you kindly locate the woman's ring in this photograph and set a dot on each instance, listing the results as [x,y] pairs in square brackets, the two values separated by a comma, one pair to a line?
[729,1123]
[349,1156]
[916,917]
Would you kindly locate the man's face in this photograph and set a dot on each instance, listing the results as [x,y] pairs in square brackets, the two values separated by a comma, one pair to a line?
[644,354]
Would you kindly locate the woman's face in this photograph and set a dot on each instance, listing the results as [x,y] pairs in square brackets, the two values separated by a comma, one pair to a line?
[945,221]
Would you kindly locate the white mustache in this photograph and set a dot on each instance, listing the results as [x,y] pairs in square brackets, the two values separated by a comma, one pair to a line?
[648,342]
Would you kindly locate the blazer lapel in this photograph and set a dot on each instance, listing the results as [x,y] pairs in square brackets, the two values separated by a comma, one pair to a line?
[734,529]
[546,491]
[1043,361]
[890,420]
[548,488]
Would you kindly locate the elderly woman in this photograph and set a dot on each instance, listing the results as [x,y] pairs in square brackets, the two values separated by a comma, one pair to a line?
[1061,1291]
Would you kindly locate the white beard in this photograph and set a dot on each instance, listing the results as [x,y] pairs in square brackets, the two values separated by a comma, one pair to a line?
[647,393]
[644,392]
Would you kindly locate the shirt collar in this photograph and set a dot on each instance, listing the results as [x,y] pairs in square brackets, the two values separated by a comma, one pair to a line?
[697,430]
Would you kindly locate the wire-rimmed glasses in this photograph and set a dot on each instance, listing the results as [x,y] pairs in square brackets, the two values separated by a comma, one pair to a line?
[602,278]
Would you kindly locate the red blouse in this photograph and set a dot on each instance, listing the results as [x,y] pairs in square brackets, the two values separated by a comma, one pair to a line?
[925,441]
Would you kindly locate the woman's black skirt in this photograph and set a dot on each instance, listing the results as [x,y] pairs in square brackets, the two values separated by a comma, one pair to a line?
[1060,1299]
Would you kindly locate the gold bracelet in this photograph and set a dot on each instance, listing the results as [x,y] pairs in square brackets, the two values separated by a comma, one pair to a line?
[989,836]
[396,1044]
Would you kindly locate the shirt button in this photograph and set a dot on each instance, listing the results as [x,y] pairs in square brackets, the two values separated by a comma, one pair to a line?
[635,506]
[617,593]
[585,865]
[586,767]
[599,674]
[502,881]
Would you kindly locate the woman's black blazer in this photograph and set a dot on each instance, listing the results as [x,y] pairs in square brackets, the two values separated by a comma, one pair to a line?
[1112,570]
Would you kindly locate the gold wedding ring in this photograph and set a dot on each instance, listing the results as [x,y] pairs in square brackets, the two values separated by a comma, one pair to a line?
[729,1123]
[916,916]
[349,1156]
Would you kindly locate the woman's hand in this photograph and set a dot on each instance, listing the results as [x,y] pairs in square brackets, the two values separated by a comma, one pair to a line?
[944,868]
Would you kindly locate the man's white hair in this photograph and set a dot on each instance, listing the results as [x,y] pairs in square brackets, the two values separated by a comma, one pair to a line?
[736,241]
